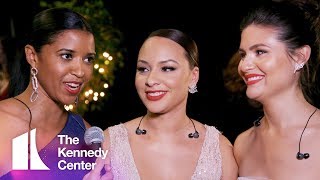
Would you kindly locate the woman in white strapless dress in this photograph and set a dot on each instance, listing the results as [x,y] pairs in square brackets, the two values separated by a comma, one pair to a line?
[279,52]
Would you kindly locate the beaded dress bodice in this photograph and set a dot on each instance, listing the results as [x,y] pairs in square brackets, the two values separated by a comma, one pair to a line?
[209,165]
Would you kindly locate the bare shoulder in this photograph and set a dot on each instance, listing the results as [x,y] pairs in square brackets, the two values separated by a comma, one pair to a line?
[106,142]
[243,138]
[13,121]
[133,122]
[224,141]
[229,165]
[6,110]
[226,146]
[242,142]
[200,126]
[128,125]
[132,125]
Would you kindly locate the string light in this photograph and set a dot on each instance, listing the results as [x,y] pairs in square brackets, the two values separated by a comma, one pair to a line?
[88,93]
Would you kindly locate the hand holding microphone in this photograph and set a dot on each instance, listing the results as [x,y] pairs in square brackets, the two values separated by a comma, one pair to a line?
[95,174]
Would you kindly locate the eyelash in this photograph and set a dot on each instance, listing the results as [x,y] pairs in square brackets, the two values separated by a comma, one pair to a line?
[260,52]
[164,69]
[142,69]
[68,56]
[90,59]
[168,69]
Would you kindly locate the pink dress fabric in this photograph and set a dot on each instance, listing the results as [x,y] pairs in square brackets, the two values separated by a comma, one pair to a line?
[209,166]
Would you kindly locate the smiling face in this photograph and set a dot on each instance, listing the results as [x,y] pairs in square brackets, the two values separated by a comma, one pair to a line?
[163,75]
[265,65]
[64,65]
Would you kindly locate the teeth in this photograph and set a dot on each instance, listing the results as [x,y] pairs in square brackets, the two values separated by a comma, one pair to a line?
[155,93]
[254,78]
[73,85]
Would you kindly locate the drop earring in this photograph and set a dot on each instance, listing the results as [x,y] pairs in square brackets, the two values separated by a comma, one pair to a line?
[76,101]
[193,89]
[34,80]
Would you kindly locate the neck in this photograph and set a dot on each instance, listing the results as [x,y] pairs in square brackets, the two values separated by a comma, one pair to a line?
[41,92]
[286,111]
[169,129]
[45,112]
[164,122]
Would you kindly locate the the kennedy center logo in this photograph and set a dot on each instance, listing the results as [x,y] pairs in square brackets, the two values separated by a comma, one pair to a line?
[20,153]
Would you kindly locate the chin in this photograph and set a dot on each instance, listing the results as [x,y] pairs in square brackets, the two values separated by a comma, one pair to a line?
[155,109]
[253,95]
[68,101]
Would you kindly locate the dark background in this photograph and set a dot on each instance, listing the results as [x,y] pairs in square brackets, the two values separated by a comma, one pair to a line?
[213,25]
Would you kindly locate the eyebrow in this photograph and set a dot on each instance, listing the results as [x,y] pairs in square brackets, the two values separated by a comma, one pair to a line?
[64,49]
[72,51]
[254,47]
[161,62]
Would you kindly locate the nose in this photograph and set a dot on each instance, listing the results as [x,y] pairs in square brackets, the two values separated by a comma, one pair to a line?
[152,79]
[77,68]
[246,64]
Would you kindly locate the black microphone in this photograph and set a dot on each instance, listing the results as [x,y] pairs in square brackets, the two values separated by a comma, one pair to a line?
[140,131]
[194,135]
[301,156]
[94,137]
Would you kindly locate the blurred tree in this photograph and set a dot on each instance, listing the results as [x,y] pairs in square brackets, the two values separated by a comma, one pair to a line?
[108,47]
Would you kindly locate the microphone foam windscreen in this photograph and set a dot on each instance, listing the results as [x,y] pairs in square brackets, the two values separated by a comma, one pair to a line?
[93,134]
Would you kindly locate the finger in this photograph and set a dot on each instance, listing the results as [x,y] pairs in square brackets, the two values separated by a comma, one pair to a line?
[108,158]
[107,167]
[95,172]
[87,176]
[107,176]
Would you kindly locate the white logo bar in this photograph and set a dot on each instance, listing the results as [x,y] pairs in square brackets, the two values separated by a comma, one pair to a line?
[20,153]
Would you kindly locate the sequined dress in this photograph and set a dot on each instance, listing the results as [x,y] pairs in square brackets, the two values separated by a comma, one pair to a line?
[49,155]
[209,166]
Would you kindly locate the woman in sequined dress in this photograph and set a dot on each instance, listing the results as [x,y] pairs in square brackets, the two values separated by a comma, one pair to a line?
[165,143]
